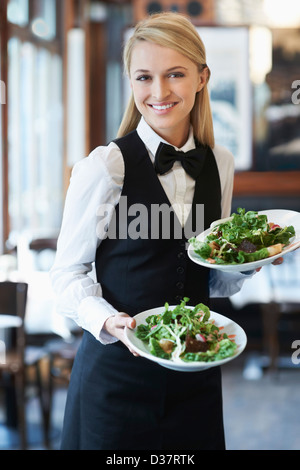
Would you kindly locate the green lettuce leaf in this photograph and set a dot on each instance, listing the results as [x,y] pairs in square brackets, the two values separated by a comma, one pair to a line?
[156,350]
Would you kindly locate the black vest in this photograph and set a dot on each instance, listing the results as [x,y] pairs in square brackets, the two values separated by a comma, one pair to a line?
[139,273]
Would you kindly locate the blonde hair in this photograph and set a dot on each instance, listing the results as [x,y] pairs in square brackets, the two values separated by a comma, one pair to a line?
[174,31]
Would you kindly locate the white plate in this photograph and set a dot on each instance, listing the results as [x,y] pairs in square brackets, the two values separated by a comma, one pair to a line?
[230,327]
[278,216]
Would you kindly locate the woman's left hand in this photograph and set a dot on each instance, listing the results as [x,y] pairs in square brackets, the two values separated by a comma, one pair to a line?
[276,262]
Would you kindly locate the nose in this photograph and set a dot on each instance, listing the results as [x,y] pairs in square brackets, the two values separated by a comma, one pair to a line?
[160,89]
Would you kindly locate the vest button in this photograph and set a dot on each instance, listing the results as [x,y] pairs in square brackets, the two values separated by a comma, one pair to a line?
[179,285]
[180,270]
[181,255]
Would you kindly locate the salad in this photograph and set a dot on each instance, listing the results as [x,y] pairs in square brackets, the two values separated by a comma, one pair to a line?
[245,237]
[186,334]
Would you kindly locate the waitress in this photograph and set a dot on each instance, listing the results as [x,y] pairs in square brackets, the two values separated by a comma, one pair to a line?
[118,401]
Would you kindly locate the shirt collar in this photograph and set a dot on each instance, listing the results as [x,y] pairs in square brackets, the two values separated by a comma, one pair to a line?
[152,140]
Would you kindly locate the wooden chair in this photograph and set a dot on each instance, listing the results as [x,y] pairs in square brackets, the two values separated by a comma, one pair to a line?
[61,352]
[40,244]
[17,359]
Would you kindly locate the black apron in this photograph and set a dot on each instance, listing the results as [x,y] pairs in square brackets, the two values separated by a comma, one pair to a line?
[120,402]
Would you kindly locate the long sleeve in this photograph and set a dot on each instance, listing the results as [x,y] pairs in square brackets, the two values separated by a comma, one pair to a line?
[94,189]
[225,162]
[224,284]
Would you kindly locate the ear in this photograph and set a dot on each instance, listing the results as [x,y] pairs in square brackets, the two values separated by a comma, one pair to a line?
[203,78]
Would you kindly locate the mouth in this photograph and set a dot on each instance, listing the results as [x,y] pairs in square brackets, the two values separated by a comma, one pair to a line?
[162,106]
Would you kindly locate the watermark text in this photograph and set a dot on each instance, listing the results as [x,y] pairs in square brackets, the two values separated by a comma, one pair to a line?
[2,352]
[296,353]
[2,92]
[159,221]
[296,94]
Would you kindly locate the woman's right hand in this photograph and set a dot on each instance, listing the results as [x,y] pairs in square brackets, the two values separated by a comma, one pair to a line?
[115,326]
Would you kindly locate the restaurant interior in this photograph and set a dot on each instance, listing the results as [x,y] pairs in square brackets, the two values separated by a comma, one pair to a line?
[63,92]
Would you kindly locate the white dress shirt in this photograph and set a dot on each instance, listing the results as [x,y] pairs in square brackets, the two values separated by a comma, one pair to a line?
[97,182]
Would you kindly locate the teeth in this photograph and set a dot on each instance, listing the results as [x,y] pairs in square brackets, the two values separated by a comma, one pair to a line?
[166,106]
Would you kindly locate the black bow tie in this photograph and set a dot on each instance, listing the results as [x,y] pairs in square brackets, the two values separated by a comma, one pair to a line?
[192,161]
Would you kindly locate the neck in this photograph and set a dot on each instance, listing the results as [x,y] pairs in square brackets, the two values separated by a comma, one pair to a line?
[177,138]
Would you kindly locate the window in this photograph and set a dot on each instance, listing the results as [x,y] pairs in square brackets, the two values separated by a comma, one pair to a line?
[34,137]
[35,118]
[2,103]
[3,122]
[17,12]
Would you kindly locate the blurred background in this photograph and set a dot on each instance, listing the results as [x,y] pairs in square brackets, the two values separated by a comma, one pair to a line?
[62,93]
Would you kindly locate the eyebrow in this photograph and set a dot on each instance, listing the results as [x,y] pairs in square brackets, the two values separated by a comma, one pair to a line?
[168,70]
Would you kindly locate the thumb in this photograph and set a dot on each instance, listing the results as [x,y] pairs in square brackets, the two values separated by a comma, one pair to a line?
[126,320]
[131,323]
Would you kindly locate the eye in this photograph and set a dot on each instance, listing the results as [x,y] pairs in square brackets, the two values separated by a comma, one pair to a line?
[143,78]
[176,75]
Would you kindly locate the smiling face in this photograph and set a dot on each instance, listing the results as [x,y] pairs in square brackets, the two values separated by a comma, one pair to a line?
[164,84]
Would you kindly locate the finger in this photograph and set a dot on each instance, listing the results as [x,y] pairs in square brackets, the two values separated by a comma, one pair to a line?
[131,323]
[126,320]
[133,352]
[278,261]
[129,345]
[122,319]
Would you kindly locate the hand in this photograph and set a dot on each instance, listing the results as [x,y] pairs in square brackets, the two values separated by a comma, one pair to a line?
[115,326]
[276,262]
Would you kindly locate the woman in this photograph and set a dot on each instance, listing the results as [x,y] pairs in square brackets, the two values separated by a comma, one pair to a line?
[117,400]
